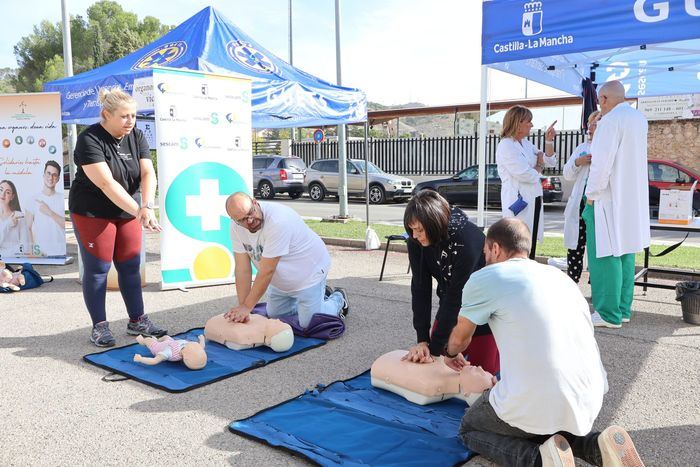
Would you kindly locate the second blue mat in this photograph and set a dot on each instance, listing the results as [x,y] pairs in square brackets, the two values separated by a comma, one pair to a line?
[351,423]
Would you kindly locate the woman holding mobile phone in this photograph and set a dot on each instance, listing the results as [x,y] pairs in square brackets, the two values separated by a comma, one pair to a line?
[520,164]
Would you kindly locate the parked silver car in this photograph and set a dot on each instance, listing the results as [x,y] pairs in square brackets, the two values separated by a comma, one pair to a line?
[278,174]
[322,179]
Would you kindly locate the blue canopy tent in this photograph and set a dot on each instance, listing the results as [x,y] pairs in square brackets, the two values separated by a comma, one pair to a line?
[282,96]
[652,47]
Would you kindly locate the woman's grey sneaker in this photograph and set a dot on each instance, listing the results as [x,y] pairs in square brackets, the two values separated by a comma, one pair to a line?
[101,336]
[346,306]
[144,327]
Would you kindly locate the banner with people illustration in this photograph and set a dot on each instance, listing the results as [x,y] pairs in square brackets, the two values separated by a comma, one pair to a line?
[204,145]
[32,209]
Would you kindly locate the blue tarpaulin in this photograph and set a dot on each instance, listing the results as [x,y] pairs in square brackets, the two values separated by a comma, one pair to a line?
[352,423]
[652,47]
[282,96]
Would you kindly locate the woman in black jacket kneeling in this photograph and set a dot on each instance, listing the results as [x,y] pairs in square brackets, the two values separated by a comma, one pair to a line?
[446,246]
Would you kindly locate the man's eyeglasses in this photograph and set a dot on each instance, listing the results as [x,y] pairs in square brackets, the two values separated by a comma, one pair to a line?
[248,217]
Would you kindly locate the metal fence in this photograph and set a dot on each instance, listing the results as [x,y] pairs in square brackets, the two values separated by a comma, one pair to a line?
[267,147]
[431,156]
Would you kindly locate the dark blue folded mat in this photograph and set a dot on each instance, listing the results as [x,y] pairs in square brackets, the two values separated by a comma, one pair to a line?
[222,362]
[352,423]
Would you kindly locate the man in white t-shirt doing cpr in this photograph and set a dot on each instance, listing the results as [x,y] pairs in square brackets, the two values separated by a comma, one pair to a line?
[542,410]
[292,263]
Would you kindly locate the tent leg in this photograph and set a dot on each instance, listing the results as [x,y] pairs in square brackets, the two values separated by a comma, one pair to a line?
[483,135]
[366,172]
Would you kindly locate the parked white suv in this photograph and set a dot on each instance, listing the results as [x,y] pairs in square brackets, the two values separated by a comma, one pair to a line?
[321,179]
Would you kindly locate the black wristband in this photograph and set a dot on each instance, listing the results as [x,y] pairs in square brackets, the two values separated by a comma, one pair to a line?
[447,354]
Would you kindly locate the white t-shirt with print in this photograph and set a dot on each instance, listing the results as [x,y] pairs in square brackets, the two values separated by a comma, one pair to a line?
[552,378]
[304,259]
[47,234]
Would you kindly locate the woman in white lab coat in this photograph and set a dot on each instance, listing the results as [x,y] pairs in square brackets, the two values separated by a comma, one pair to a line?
[576,169]
[520,164]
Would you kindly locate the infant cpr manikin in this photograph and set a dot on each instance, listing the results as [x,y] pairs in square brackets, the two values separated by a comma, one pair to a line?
[258,331]
[427,383]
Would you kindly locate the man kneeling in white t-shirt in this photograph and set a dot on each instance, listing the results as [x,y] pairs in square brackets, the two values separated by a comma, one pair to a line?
[292,263]
[553,381]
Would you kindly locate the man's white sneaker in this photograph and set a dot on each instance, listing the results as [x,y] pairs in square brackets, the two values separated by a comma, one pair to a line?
[625,320]
[598,322]
[556,452]
[617,448]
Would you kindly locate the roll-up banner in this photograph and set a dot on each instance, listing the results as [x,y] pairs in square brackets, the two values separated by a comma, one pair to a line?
[204,149]
[32,209]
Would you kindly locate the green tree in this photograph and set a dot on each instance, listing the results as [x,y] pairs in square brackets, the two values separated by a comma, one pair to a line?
[107,34]
[98,51]
[7,76]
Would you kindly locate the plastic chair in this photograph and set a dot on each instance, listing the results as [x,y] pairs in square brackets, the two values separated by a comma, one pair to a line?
[389,238]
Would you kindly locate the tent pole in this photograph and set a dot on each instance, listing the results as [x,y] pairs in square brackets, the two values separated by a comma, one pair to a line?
[483,134]
[367,172]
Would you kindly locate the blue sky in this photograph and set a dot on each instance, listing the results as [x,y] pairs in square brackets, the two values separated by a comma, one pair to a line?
[397,51]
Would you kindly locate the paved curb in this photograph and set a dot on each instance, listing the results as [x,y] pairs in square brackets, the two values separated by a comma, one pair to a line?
[360,244]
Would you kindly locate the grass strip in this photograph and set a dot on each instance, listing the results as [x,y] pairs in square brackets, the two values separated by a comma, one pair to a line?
[682,257]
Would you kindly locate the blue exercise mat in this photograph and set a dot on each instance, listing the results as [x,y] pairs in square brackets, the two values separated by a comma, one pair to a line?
[352,423]
[222,362]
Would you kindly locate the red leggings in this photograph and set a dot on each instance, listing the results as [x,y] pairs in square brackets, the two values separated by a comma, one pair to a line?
[482,351]
[102,241]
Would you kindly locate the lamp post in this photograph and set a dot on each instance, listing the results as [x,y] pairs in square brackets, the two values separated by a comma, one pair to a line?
[68,68]
[291,58]
[342,158]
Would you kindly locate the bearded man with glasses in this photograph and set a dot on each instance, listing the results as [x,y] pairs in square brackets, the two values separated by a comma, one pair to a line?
[291,259]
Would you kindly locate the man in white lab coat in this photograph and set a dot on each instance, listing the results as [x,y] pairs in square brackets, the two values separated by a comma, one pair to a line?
[617,209]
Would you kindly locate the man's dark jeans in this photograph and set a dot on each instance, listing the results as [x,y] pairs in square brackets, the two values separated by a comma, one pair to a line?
[486,434]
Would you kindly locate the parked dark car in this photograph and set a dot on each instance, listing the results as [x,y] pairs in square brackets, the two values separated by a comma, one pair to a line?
[462,188]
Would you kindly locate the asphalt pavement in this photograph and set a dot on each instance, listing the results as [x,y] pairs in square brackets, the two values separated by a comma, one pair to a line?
[57,410]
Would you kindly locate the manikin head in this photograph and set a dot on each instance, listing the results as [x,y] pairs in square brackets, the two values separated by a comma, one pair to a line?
[427,217]
[245,211]
[118,112]
[193,355]
[52,174]
[610,94]
[278,335]
[508,238]
[474,380]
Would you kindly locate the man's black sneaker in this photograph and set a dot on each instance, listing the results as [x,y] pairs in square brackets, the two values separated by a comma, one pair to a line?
[346,306]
